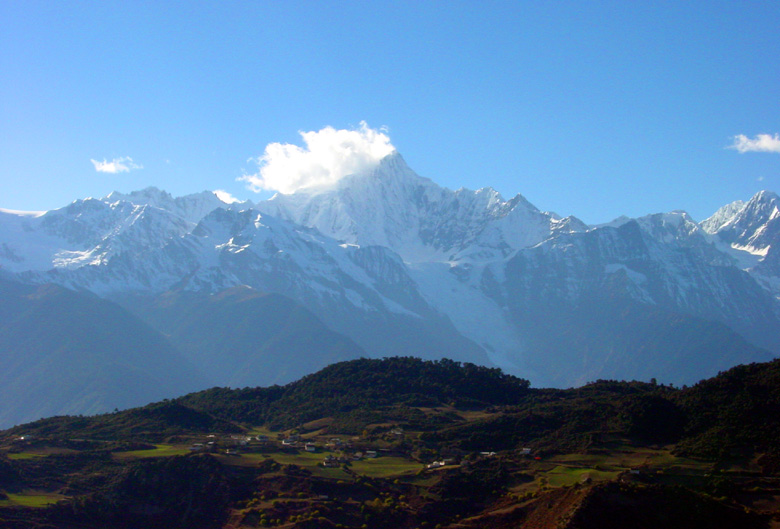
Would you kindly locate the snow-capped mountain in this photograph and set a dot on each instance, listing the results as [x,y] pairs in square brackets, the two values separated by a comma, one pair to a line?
[752,230]
[462,249]
[752,226]
[392,206]
[92,231]
[363,292]
[403,266]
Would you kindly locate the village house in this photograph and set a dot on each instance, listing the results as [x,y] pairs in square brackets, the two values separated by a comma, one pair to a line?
[333,442]
[240,440]
[331,462]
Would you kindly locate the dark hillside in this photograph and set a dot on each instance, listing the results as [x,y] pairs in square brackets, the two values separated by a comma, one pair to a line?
[616,506]
[153,422]
[571,420]
[735,413]
[176,492]
[365,384]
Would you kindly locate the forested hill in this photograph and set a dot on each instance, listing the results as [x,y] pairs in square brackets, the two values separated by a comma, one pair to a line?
[364,384]
[734,413]
[452,445]
[339,389]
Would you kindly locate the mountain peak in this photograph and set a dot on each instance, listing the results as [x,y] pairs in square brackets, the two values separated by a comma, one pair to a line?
[391,172]
[149,195]
[391,205]
[723,217]
[763,199]
[191,208]
[753,226]
[394,161]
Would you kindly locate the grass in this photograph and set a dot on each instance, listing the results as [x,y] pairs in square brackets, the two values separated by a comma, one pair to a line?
[626,459]
[302,459]
[331,473]
[585,460]
[31,499]
[309,461]
[24,455]
[563,476]
[386,467]
[306,460]
[475,415]
[260,430]
[568,469]
[319,424]
[159,451]
[381,467]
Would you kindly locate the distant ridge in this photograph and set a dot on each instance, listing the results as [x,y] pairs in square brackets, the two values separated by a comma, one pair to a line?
[387,263]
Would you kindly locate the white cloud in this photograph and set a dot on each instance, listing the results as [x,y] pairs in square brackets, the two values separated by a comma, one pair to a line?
[124,164]
[761,143]
[226,197]
[328,156]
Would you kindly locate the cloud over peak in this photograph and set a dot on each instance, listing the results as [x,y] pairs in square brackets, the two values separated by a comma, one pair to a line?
[226,197]
[124,164]
[761,143]
[327,156]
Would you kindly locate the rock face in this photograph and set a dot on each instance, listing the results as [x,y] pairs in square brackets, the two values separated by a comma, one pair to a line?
[402,266]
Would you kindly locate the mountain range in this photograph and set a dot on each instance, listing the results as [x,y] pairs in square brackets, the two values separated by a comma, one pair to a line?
[385,263]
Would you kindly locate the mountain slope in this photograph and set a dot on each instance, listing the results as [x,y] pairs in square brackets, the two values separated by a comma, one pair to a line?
[242,337]
[69,353]
[365,293]
[616,303]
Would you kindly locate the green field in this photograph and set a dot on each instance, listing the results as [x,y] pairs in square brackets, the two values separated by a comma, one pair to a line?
[24,455]
[261,430]
[386,467]
[568,469]
[159,451]
[564,476]
[381,467]
[31,499]
[624,460]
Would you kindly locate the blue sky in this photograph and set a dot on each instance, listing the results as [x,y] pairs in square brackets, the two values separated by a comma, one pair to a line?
[595,109]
